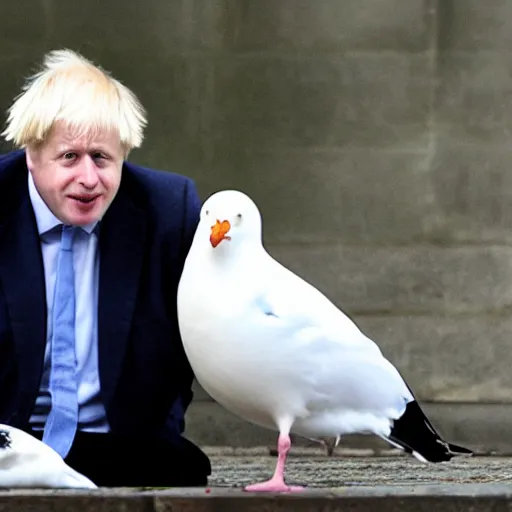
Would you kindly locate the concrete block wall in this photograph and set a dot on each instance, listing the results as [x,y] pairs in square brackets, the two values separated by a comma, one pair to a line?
[374,135]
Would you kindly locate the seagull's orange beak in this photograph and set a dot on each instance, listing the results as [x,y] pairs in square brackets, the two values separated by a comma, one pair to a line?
[219,230]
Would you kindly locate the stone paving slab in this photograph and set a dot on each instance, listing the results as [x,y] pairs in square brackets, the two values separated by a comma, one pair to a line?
[346,481]
[347,470]
[438,498]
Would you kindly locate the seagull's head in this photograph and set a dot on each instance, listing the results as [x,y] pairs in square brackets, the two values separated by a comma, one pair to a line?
[230,216]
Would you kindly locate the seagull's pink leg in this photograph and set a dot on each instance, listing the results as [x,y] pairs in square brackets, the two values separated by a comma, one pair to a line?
[276,483]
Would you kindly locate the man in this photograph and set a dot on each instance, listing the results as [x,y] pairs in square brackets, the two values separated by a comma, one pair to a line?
[92,249]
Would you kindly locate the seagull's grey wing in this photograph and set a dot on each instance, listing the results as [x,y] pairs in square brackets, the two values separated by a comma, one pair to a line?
[293,305]
[338,366]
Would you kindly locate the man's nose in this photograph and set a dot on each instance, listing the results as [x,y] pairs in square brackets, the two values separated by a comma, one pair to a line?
[88,173]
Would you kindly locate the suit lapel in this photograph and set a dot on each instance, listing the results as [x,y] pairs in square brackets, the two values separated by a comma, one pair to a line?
[22,280]
[122,243]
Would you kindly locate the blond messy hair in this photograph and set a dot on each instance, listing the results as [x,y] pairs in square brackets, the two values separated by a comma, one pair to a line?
[71,89]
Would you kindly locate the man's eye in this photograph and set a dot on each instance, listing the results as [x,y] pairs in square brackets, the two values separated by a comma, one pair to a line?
[69,156]
[98,155]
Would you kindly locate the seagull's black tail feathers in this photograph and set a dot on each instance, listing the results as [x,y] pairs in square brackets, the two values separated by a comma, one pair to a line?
[414,434]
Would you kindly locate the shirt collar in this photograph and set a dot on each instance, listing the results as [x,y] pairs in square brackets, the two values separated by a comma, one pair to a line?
[45,219]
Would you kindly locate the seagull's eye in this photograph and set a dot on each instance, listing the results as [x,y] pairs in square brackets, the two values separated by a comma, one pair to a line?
[207,212]
[238,219]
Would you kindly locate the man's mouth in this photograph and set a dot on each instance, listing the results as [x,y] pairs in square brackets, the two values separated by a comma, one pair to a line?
[84,199]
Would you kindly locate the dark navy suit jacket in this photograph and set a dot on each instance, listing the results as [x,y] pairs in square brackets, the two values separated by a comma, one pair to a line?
[144,239]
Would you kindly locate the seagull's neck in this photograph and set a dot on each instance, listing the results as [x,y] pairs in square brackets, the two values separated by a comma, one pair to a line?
[244,256]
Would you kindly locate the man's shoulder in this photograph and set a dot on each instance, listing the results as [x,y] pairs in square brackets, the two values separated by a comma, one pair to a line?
[11,162]
[170,201]
[13,181]
[12,155]
[168,197]
[159,183]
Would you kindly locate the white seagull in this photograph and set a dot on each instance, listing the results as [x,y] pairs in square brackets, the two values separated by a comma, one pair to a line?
[26,462]
[272,349]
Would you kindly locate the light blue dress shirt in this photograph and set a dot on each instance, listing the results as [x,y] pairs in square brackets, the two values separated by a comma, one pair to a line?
[92,416]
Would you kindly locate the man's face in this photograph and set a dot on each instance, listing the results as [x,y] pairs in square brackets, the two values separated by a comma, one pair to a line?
[77,176]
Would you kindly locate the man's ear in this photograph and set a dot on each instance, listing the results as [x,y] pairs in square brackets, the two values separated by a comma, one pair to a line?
[30,156]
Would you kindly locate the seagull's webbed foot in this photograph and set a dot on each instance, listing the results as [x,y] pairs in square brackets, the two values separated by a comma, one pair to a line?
[273,485]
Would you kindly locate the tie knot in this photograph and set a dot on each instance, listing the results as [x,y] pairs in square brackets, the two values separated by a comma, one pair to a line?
[68,233]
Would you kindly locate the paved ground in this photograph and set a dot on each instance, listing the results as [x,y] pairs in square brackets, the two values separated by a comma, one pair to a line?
[347,481]
[350,469]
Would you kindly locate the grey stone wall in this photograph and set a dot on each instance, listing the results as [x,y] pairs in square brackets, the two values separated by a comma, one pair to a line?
[374,135]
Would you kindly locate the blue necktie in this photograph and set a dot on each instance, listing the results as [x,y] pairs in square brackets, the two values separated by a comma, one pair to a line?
[62,420]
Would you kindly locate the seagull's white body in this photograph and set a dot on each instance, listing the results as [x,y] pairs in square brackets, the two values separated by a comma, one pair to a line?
[271,348]
[26,462]
[309,365]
